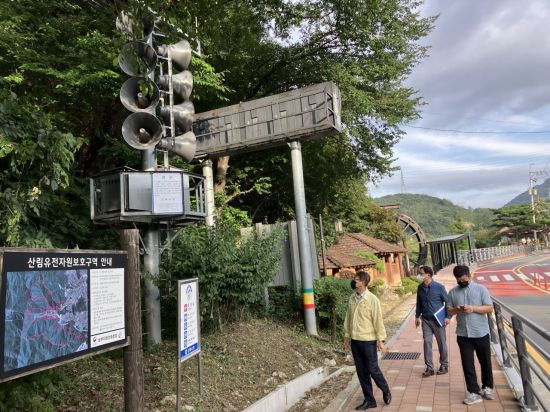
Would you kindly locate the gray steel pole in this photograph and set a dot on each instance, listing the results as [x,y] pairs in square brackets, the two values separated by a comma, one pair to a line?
[151,263]
[151,259]
[303,239]
[209,191]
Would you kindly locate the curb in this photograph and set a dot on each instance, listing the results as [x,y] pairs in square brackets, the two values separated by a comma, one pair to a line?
[286,395]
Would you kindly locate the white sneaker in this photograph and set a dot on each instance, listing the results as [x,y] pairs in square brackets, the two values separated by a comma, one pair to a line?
[487,393]
[472,398]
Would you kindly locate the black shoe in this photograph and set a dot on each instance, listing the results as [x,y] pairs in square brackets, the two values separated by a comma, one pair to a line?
[442,370]
[387,397]
[366,405]
[428,372]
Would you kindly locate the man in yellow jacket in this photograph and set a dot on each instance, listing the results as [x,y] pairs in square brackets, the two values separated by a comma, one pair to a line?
[364,326]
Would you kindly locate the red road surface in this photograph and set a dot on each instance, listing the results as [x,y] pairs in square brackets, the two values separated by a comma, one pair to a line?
[503,280]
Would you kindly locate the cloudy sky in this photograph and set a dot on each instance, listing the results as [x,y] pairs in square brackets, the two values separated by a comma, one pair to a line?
[487,118]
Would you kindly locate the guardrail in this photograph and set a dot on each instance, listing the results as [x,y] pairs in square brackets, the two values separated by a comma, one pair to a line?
[508,333]
[467,257]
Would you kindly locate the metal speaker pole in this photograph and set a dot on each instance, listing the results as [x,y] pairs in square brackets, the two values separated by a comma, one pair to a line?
[137,59]
[184,145]
[134,99]
[182,83]
[183,115]
[180,53]
[142,130]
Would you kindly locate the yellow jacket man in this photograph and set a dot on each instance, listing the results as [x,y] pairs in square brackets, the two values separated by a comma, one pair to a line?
[364,328]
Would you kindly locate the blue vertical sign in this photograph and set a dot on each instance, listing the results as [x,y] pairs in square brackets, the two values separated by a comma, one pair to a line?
[189,328]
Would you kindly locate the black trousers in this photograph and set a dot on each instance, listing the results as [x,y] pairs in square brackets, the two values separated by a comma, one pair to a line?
[482,349]
[366,364]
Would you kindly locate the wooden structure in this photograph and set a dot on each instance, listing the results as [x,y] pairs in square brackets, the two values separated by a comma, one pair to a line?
[342,259]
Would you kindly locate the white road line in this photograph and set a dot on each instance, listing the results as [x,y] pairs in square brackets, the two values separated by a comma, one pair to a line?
[522,276]
[508,277]
[481,278]
[495,278]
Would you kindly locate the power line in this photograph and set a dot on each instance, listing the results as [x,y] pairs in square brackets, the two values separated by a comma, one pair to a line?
[478,131]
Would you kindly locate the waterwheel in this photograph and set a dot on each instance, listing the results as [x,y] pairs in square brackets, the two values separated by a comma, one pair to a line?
[414,241]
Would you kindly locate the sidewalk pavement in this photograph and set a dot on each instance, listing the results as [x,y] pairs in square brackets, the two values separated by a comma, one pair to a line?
[413,393]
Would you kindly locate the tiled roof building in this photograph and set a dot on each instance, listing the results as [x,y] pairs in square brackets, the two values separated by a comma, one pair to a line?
[342,259]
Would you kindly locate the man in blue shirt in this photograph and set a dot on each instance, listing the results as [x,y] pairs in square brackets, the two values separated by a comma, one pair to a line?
[431,299]
[471,303]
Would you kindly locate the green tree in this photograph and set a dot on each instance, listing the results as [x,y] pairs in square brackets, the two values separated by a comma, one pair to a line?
[514,220]
[61,117]
[367,47]
[458,225]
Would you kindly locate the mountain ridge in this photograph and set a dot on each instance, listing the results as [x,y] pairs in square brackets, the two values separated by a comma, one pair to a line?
[525,199]
[436,215]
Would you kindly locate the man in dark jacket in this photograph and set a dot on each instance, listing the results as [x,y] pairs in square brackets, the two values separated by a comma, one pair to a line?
[431,300]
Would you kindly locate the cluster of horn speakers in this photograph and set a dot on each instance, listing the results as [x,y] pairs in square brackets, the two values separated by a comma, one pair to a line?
[141,95]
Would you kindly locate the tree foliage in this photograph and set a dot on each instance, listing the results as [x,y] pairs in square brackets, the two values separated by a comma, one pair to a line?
[438,217]
[61,118]
[517,220]
[232,270]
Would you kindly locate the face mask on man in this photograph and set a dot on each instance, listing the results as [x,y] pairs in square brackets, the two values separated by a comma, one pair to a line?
[463,283]
[420,278]
[352,284]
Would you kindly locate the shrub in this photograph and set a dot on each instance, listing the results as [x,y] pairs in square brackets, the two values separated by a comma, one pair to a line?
[409,285]
[331,300]
[283,303]
[377,287]
[379,264]
[34,392]
[232,271]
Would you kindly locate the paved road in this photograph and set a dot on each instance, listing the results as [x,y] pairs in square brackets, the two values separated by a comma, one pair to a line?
[513,283]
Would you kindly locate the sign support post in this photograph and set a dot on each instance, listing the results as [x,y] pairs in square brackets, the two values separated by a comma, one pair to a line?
[133,353]
[303,239]
[189,344]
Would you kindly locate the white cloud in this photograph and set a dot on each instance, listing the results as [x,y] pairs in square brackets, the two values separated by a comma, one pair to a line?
[487,71]
[489,145]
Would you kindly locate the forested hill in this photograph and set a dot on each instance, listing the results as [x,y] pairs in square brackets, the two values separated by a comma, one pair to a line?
[524,199]
[436,216]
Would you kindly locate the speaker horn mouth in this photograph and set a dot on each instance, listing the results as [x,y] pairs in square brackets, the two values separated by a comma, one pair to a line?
[133,98]
[137,59]
[142,130]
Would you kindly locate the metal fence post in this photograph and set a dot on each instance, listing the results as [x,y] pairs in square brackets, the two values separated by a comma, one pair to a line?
[502,337]
[528,396]
[494,337]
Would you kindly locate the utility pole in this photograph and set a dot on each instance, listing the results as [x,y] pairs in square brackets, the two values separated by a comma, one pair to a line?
[532,193]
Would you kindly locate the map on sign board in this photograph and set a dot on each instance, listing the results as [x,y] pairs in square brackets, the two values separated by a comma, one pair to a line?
[189,339]
[46,316]
[58,305]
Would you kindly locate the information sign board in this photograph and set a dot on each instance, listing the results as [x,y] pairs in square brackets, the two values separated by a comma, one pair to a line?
[167,193]
[58,305]
[189,320]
